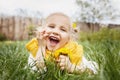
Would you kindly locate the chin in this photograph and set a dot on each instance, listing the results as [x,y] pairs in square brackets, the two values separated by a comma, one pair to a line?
[52,48]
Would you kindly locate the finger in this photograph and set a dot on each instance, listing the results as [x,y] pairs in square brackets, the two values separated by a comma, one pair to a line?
[62,64]
[58,60]
[38,35]
[42,35]
[62,56]
[45,35]
[62,68]
[42,32]
[62,60]
[48,32]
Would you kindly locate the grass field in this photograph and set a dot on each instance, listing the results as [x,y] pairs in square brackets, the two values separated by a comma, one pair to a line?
[105,51]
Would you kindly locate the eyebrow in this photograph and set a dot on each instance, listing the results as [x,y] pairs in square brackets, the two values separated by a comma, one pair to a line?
[51,24]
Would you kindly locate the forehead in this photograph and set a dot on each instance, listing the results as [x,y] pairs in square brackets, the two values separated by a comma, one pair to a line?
[59,18]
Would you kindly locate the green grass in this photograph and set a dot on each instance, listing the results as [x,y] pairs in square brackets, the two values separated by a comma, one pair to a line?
[106,52]
[103,34]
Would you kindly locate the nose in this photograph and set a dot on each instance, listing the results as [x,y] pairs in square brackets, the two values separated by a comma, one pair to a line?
[55,32]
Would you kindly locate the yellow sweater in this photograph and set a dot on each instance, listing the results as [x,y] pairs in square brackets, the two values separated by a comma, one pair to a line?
[71,49]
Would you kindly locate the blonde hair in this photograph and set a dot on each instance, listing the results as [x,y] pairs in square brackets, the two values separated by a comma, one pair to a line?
[59,14]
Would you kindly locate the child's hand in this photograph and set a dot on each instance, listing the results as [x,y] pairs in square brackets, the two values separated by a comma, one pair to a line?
[42,34]
[63,62]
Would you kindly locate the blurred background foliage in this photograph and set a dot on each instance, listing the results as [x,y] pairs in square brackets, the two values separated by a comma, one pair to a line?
[103,34]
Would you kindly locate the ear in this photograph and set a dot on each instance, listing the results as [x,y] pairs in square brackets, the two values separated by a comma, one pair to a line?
[74,34]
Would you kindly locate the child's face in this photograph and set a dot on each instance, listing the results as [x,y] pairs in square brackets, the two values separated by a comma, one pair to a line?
[58,28]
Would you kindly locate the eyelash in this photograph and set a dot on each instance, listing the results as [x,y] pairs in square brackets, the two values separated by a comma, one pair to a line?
[64,30]
[51,26]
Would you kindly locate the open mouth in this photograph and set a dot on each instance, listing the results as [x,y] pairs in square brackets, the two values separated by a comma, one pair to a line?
[54,40]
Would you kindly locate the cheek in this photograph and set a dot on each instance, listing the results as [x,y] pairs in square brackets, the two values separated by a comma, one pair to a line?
[66,37]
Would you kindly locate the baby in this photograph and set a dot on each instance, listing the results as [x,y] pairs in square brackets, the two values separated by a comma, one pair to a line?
[55,39]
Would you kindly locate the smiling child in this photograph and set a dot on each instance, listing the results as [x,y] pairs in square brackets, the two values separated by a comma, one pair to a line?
[55,38]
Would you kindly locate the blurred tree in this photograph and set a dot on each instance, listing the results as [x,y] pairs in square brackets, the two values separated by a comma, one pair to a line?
[29,13]
[22,12]
[30,30]
[38,14]
[96,11]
